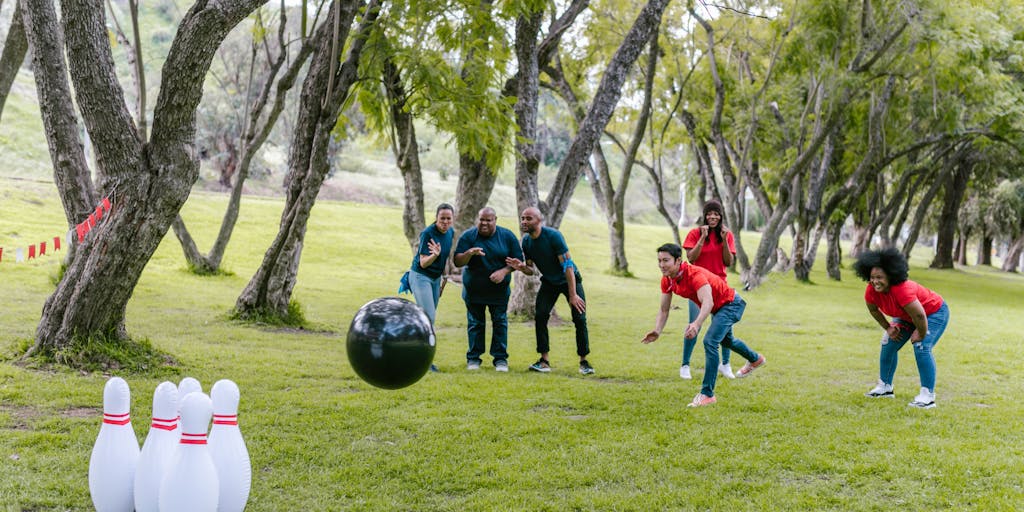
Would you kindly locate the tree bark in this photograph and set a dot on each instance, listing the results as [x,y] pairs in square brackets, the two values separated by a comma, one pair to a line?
[601,108]
[954,189]
[523,299]
[985,251]
[146,183]
[13,55]
[616,197]
[269,291]
[833,260]
[253,137]
[71,171]
[407,153]
[922,209]
[1011,261]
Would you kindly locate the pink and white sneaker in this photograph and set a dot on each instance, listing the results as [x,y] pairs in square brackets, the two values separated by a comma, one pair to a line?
[750,367]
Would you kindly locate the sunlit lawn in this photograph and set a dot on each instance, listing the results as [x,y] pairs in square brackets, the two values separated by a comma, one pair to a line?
[797,435]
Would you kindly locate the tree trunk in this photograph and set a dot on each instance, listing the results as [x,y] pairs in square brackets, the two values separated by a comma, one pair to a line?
[1012,259]
[733,193]
[146,183]
[268,293]
[955,188]
[253,137]
[600,112]
[14,54]
[961,247]
[985,250]
[922,209]
[524,293]
[71,171]
[407,153]
[803,249]
[833,260]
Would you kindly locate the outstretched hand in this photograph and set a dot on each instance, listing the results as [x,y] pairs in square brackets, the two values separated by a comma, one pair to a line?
[650,337]
[433,247]
[515,263]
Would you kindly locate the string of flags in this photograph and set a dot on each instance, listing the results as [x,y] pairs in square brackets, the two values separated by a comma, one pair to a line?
[79,232]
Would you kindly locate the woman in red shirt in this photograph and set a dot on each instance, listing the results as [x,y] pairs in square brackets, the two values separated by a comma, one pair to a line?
[709,245]
[918,314]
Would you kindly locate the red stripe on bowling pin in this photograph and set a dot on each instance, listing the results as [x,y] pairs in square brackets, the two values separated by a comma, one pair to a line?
[116,419]
[193,438]
[225,419]
[165,424]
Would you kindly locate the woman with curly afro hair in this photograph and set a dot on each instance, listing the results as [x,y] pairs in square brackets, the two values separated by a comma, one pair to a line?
[919,316]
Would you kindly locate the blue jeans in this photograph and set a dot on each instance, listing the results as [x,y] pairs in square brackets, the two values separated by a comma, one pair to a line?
[477,330]
[546,298]
[888,358]
[689,343]
[720,332]
[427,293]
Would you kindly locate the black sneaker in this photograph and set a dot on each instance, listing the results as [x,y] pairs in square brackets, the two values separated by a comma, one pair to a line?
[585,368]
[541,365]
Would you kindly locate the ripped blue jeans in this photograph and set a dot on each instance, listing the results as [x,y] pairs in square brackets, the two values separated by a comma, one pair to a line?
[889,356]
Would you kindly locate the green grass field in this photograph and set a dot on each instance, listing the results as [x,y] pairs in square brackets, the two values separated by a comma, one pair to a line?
[797,435]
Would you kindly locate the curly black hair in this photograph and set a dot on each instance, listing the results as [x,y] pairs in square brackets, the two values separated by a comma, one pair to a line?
[890,260]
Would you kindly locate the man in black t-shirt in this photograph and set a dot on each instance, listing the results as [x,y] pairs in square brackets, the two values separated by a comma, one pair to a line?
[545,250]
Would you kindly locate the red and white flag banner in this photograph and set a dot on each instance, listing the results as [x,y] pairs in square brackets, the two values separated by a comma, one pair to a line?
[81,230]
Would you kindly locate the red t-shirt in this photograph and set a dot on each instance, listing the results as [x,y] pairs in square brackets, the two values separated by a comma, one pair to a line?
[899,295]
[691,278]
[711,252]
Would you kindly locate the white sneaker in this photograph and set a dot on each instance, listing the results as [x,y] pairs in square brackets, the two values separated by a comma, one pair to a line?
[473,365]
[684,372]
[924,400]
[726,371]
[881,390]
[501,366]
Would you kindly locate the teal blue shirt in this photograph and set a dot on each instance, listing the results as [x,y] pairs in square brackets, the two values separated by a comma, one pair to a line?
[435,269]
[544,252]
[476,283]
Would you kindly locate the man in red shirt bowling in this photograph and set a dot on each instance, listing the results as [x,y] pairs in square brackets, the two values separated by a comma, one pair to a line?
[716,299]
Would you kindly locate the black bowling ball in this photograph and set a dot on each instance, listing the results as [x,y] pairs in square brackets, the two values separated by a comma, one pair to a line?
[390,343]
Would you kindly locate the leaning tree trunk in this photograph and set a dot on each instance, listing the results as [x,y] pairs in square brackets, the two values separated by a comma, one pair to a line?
[601,109]
[407,153]
[617,209]
[14,54]
[1012,259]
[269,292]
[255,134]
[146,183]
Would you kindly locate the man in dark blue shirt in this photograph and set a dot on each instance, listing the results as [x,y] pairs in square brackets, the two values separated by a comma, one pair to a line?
[483,251]
[546,248]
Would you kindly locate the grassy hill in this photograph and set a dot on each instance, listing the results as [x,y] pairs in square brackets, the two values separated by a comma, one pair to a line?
[797,435]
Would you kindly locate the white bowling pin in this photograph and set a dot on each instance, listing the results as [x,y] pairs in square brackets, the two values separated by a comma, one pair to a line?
[228,448]
[190,484]
[116,452]
[158,449]
[186,386]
